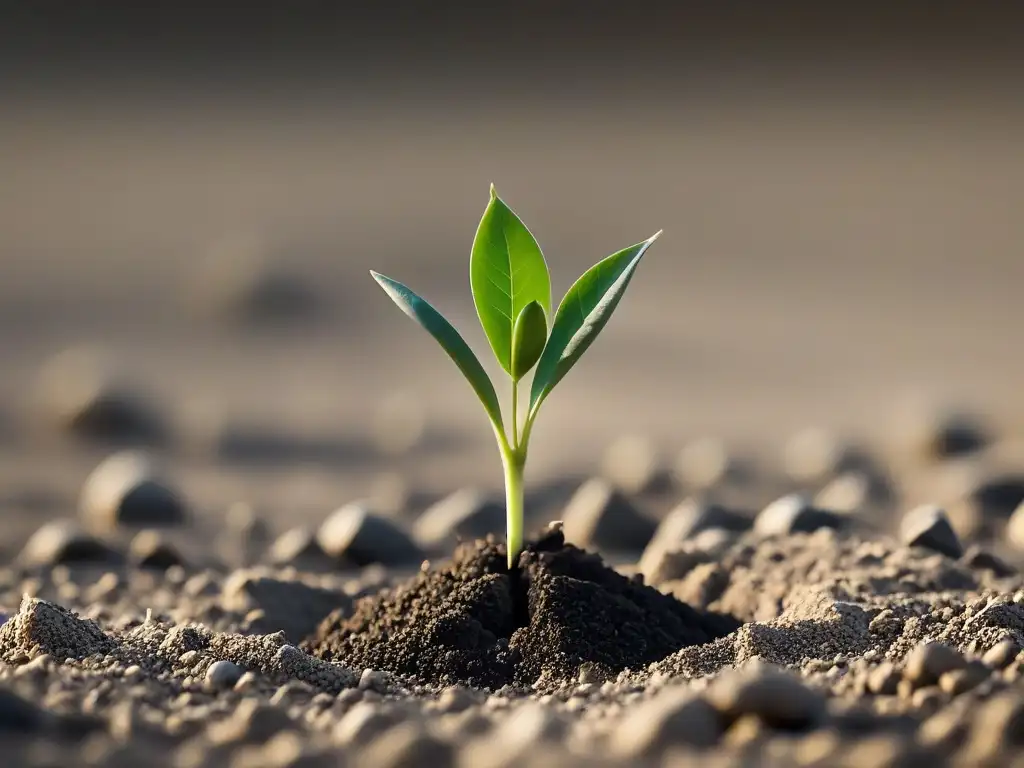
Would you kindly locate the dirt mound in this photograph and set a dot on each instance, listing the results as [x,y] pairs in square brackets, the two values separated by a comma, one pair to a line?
[476,623]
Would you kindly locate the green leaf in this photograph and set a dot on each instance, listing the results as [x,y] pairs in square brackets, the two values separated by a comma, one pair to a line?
[449,339]
[582,315]
[506,272]
[528,338]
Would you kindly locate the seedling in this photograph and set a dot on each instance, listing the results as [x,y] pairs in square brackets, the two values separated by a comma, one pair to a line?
[512,293]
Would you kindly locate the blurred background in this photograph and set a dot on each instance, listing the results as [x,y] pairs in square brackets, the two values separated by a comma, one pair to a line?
[190,200]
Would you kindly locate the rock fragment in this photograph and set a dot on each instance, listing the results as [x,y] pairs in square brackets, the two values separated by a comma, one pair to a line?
[793,514]
[929,661]
[468,513]
[127,490]
[63,542]
[671,718]
[355,534]
[928,526]
[599,516]
[778,698]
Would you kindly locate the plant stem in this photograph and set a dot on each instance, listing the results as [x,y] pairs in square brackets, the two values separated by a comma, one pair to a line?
[515,414]
[514,462]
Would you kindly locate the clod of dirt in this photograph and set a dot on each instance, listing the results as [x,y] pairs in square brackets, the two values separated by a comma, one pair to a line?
[474,622]
[60,542]
[52,630]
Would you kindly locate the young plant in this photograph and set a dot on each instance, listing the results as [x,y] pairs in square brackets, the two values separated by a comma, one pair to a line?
[512,293]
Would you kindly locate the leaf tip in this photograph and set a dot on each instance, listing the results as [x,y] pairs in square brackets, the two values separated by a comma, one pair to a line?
[655,236]
[494,192]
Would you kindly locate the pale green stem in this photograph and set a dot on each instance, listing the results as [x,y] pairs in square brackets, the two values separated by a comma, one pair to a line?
[515,414]
[514,462]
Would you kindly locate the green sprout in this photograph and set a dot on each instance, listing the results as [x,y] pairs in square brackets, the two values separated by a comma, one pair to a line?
[512,292]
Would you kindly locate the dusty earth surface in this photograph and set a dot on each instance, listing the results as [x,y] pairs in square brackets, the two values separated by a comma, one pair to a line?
[247,524]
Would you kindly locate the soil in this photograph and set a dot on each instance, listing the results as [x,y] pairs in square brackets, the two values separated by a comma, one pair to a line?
[476,623]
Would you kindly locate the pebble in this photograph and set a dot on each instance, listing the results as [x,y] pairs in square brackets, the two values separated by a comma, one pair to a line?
[997,494]
[980,559]
[150,549]
[1015,527]
[242,279]
[64,542]
[852,492]
[793,513]
[407,745]
[300,548]
[671,718]
[373,680]
[815,454]
[997,729]
[928,526]
[706,463]
[79,392]
[631,463]
[600,516]
[355,534]
[525,730]
[937,432]
[780,699]
[964,679]
[929,661]
[126,490]
[223,675]
[455,698]
[363,723]
[1002,654]
[467,514]
[883,679]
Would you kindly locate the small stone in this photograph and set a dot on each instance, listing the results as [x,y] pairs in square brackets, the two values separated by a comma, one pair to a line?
[671,718]
[355,534]
[1002,654]
[520,732]
[998,728]
[466,514]
[631,464]
[244,279]
[793,514]
[996,494]
[814,454]
[928,526]
[883,679]
[1015,527]
[63,542]
[852,492]
[936,432]
[599,516]
[222,675]
[125,489]
[929,661]
[780,699]
[248,682]
[299,547]
[373,680]
[978,558]
[79,391]
[455,698]
[251,722]
[706,463]
[962,680]
[399,423]
[363,723]
[407,745]
[149,549]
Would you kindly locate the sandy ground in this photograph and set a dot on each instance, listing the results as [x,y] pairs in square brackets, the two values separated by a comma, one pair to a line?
[818,267]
